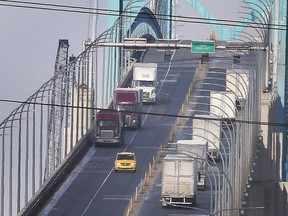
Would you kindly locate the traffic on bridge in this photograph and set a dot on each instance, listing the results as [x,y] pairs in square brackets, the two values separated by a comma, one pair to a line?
[145,122]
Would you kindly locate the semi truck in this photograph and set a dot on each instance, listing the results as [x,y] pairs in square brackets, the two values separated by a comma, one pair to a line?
[223,104]
[145,77]
[179,180]
[199,149]
[204,128]
[129,101]
[237,81]
[109,128]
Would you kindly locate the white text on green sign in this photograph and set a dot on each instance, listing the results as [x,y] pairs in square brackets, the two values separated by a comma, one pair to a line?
[203,47]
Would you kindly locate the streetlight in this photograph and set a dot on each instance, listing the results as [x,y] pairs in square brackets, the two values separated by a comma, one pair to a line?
[240,210]
[237,139]
[265,19]
[240,88]
[195,156]
[208,138]
[257,26]
[231,147]
[267,12]
[246,118]
[264,37]
[231,161]
[267,74]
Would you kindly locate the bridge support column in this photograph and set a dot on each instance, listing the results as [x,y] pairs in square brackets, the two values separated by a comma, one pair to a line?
[264,187]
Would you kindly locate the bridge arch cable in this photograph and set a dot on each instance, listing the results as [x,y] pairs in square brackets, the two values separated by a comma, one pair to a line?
[124,26]
[49,124]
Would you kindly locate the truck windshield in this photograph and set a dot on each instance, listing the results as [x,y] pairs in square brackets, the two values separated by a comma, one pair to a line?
[125,107]
[125,157]
[145,83]
[107,123]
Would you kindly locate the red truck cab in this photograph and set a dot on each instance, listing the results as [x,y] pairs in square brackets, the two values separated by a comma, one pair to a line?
[129,102]
[109,128]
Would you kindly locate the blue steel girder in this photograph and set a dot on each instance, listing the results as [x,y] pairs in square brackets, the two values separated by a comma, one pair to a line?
[229,33]
[133,21]
[129,11]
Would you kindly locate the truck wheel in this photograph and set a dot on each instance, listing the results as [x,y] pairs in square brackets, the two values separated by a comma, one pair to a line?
[122,140]
[164,204]
[139,122]
[194,202]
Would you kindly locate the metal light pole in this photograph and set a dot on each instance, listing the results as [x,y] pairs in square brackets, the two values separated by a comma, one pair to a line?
[231,161]
[247,116]
[232,148]
[242,97]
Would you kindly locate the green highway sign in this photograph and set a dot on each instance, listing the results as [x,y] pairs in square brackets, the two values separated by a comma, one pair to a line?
[203,47]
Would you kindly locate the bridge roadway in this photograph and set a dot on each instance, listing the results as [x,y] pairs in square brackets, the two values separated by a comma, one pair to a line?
[151,201]
[93,188]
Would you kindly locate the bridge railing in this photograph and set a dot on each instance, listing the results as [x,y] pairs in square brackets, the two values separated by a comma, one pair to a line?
[39,139]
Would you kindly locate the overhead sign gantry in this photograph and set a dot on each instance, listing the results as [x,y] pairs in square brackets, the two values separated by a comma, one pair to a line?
[195,46]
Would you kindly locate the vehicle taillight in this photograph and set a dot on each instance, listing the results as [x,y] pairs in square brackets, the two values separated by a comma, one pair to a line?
[134,120]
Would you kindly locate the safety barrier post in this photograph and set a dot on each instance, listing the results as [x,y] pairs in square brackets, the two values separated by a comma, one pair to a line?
[131,205]
[150,170]
[141,187]
[145,179]
[136,195]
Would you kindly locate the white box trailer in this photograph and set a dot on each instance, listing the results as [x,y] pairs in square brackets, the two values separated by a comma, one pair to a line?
[223,104]
[197,148]
[208,130]
[237,81]
[179,180]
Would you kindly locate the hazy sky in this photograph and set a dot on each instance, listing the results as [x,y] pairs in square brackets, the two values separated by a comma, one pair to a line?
[219,9]
[29,40]
[28,46]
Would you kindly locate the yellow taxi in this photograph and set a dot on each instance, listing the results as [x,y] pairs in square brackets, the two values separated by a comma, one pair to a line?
[125,161]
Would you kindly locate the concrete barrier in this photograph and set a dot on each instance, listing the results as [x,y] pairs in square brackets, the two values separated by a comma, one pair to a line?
[51,185]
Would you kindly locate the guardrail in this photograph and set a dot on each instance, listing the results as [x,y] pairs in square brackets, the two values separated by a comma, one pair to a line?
[49,188]
[35,205]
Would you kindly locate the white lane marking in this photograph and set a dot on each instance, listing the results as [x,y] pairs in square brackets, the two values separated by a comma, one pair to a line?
[168,124]
[147,147]
[133,137]
[169,67]
[88,166]
[117,197]
[86,159]
[131,141]
[95,172]
[168,81]
[89,204]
